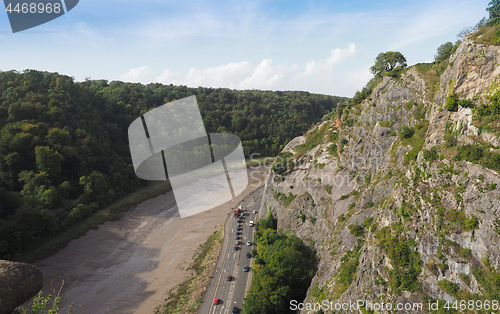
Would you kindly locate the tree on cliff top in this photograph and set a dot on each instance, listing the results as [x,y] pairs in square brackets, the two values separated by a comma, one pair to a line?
[494,9]
[388,61]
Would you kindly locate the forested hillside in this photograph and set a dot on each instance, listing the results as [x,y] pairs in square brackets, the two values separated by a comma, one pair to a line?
[64,148]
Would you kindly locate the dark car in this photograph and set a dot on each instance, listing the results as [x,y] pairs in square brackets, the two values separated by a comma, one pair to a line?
[236,248]
[235,310]
[237,237]
[249,255]
[246,268]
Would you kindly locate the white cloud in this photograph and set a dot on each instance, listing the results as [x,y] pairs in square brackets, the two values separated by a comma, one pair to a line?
[318,76]
[142,74]
[326,66]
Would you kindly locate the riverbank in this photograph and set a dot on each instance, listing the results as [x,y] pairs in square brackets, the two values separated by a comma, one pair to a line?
[128,266]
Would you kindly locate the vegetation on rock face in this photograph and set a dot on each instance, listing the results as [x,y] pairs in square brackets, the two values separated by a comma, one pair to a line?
[405,261]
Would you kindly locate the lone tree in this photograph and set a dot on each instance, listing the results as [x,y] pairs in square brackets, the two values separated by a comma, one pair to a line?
[443,52]
[388,61]
[494,9]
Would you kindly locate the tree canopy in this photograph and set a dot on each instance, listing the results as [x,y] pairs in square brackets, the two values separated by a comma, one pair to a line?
[444,52]
[388,61]
[494,9]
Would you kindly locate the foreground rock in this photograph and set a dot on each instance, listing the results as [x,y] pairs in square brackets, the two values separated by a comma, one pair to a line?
[18,283]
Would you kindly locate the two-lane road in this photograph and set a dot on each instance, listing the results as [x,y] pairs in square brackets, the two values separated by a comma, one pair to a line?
[232,262]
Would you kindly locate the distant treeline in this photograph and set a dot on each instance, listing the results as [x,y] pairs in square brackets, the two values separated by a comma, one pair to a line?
[64,148]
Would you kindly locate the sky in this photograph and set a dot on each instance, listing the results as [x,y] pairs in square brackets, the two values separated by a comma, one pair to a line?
[324,47]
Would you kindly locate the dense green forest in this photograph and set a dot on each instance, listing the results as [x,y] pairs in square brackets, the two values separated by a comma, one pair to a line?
[64,148]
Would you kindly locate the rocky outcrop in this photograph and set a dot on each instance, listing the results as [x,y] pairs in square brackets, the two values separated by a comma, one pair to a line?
[389,222]
[18,283]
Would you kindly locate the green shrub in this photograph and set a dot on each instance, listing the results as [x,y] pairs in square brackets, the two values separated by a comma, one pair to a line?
[472,223]
[430,155]
[450,140]
[466,103]
[491,186]
[357,230]
[448,286]
[368,221]
[470,152]
[342,218]
[451,103]
[332,149]
[491,160]
[406,263]
[406,132]
[328,189]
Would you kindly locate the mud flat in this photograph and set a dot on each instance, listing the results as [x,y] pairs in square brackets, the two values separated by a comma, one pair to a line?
[127,266]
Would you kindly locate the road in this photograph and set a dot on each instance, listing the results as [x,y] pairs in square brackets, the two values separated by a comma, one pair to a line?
[231,262]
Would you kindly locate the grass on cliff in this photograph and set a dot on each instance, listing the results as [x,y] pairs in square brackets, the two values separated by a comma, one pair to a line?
[488,34]
[431,73]
[416,140]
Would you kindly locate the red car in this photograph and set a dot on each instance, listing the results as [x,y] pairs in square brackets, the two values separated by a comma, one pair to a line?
[229,278]
[216,301]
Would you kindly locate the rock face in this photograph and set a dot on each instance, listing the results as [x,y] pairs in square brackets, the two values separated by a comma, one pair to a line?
[18,283]
[388,224]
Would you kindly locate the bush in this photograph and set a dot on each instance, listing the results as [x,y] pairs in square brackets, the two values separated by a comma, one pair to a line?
[430,154]
[443,52]
[406,132]
[356,230]
[472,223]
[466,103]
[451,103]
[470,152]
[450,140]
[448,286]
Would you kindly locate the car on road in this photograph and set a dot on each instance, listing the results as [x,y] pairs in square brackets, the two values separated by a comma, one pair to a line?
[249,243]
[249,255]
[254,211]
[216,301]
[246,268]
[236,248]
[238,232]
[229,278]
[250,223]
[235,310]
[237,237]
[237,243]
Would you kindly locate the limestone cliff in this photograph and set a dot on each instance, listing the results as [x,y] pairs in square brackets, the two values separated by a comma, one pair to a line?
[399,196]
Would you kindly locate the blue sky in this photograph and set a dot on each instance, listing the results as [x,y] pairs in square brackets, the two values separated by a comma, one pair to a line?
[318,46]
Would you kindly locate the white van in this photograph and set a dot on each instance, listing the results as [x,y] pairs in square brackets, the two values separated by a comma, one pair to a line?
[250,223]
